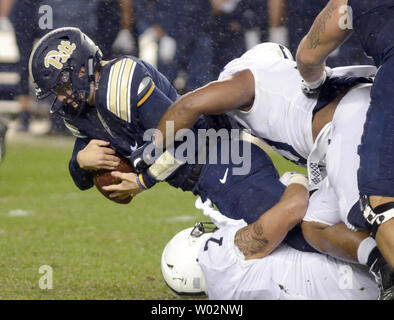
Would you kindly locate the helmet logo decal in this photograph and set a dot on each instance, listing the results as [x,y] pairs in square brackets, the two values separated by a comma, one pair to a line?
[57,58]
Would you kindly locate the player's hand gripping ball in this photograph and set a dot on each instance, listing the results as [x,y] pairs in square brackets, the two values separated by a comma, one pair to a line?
[103,178]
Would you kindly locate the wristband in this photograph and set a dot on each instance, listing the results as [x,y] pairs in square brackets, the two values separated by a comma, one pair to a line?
[299,179]
[316,84]
[164,166]
[145,181]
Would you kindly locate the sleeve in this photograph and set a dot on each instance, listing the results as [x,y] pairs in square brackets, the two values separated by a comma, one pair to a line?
[83,179]
[145,180]
[260,60]
[154,108]
[155,96]
[140,95]
[137,93]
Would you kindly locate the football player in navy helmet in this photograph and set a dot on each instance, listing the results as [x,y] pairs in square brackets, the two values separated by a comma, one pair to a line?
[63,64]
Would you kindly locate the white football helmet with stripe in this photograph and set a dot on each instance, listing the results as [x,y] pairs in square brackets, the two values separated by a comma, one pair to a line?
[179,261]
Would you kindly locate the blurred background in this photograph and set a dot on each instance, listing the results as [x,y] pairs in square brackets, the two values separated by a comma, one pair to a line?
[189,42]
[99,249]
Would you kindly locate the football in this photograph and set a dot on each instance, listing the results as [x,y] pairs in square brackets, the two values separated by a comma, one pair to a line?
[103,178]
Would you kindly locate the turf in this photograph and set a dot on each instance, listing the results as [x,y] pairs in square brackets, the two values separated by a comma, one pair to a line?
[97,249]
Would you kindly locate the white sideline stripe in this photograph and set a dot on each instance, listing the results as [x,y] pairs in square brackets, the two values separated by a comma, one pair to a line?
[181,219]
[18,213]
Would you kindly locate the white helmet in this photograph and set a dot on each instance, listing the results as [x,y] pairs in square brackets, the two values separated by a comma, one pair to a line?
[270,50]
[179,261]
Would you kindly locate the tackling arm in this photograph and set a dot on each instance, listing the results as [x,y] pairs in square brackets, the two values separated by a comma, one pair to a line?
[328,31]
[215,98]
[260,238]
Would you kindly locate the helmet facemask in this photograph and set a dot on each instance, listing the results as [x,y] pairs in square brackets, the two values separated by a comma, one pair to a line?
[75,101]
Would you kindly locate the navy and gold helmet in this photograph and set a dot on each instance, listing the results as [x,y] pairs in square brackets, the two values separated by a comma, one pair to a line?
[63,63]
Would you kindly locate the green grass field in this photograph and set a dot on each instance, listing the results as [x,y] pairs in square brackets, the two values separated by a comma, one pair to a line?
[97,249]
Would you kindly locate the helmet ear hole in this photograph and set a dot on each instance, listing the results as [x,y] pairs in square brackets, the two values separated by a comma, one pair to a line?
[47,74]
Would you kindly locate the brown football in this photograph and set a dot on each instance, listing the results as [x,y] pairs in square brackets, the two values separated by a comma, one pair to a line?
[103,178]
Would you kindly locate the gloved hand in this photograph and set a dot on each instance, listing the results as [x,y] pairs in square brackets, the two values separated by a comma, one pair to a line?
[124,42]
[313,88]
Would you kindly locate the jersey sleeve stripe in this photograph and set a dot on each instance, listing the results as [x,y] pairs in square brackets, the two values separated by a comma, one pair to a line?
[113,86]
[129,92]
[147,95]
[119,87]
[109,87]
[124,90]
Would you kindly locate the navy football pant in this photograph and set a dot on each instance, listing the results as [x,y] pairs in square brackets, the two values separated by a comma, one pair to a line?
[376,172]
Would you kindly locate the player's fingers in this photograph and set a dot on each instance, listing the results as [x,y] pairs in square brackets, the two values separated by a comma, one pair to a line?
[109,158]
[108,166]
[112,187]
[125,176]
[100,143]
[113,164]
[119,175]
[119,195]
[109,151]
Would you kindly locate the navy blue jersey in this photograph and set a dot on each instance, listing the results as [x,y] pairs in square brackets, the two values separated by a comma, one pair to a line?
[131,98]
[373,23]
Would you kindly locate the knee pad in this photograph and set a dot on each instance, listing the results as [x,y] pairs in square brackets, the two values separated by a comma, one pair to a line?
[378,216]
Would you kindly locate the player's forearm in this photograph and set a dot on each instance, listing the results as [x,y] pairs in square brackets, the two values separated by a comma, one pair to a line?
[336,240]
[182,114]
[83,179]
[217,97]
[260,238]
[327,33]
[309,66]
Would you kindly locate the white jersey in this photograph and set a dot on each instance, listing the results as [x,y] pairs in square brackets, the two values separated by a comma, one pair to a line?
[281,113]
[285,274]
[339,192]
